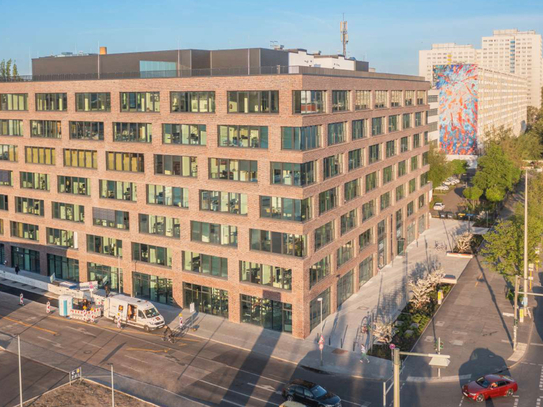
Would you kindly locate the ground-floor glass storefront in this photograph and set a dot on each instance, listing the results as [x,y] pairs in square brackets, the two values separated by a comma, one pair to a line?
[26,259]
[266,313]
[152,288]
[106,275]
[208,300]
[63,268]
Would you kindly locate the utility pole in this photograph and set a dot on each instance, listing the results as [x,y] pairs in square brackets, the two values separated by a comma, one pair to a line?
[112,388]
[344,35]
[397,364]
[525,284]
[515,319]
[20,372]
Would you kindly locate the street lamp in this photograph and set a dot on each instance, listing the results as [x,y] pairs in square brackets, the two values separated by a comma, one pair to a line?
[321,339]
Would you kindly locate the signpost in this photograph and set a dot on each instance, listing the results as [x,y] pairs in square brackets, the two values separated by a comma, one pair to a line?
[76,374]
[321,347]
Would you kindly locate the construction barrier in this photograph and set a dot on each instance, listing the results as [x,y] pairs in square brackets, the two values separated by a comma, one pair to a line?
[21,301]
[84,315]
[48,307]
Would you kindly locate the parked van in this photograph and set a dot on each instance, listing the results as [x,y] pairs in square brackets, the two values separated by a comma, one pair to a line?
[133,311]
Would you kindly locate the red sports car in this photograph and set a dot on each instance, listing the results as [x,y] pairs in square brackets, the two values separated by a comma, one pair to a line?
[490,386]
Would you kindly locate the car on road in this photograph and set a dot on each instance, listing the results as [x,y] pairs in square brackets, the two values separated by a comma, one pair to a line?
[291,404]
[490,386]
[439,206]
[442,188]
[310,394]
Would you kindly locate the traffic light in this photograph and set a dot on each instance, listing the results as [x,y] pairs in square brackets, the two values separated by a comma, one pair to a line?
[438,346]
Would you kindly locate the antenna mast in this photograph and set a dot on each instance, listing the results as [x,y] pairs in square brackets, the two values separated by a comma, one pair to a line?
[344,35]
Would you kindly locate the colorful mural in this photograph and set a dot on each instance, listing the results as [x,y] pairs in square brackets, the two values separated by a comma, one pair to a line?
[458,107]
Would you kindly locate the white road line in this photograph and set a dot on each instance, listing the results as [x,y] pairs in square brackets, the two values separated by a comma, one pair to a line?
[233,391]
[536,344]
[55,344]
[265,387]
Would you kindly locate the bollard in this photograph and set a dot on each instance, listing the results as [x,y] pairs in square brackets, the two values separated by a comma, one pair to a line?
[119,322]
[21,300]
[180,321]
[48,307]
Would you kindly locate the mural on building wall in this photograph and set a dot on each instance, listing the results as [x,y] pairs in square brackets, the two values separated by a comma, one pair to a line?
[458,107]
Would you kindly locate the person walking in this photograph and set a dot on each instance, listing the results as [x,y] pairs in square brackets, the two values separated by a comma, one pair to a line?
[364,354]
[17,269]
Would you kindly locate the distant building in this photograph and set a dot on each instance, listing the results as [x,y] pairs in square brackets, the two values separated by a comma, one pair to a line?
[445,54]
[467,101]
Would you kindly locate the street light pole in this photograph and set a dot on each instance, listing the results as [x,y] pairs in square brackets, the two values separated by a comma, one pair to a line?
[397,364]
[20,373]
[525,284]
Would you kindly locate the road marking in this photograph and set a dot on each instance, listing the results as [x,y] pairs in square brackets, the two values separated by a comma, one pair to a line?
[30,326]
[133,358]
[266,387]
[508,314]
[55,344]
[541,380]
[149,350]
[536,344]
[267,402]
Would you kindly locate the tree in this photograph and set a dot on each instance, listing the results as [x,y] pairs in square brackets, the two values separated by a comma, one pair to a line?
[495,194]
[531,116]
[495,172]
[472,193]
[458,167]
[8,69]
[3,69]
[439,170]
[15,72]
[384,332]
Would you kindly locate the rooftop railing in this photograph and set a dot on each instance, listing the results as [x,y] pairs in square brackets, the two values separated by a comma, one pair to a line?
[191,73]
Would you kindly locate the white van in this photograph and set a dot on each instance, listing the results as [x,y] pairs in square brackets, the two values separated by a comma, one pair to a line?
[133,311]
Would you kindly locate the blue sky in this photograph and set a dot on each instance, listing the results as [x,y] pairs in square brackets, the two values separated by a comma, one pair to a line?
[388,33]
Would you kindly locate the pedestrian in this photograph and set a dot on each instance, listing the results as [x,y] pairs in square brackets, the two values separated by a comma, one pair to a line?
[108,290]
[17,269]
[364,354]
[168,335]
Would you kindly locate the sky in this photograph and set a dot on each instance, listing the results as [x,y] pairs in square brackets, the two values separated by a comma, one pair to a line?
[387,33]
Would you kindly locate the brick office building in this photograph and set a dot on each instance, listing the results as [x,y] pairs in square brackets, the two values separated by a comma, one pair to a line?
[250,195]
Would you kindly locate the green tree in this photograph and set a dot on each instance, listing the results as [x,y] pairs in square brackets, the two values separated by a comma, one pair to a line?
[458,167]
[15,72]
[495,172]
[439,169]
[3,69]
[8,69]
[472,193]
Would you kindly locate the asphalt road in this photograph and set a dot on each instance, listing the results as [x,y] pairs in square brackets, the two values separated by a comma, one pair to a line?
[191,371]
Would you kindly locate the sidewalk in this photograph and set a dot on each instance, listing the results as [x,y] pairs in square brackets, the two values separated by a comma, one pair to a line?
[382,297]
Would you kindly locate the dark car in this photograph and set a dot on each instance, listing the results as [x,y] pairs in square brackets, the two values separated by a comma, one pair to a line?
[490,386]
[310,394]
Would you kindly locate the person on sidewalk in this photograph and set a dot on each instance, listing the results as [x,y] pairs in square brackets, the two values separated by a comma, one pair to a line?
[17,269]
[364,354]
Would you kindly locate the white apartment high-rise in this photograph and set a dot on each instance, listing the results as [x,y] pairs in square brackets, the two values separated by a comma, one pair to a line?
[445,54]
[519,53]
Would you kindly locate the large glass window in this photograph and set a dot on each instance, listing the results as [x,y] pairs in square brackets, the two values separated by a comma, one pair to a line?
[45,128]
[410,208]
[351,190]
[345,287]
[406,121]
[192,102]
[80,158]
[63,268]
[253,102]
[412,185]
[423,179]
[168,196]
[73,185]
[300,138]
[105,245]
[51,102]
[374,153]
[110,218]
[414,163]
[9,127]
[377,126]
[365,270]
[205,264]
[220,201]
[381,99]
[8,152]
[371,181]
[336,133]
[400,192]
[368,210]
[40,155]
[113,276]
[277,242]
[409,97]
[388,174]
[243,136]
[207,300]
[344,253]
[4,202]
[385,200]
[61,237]
[416,140]
[395,98]
[390,148]
[266,313]
[365,239]
[132,132]
[402,168]
[419,119]
[93,102]
[404,144]
[183,166]
[34,180]
[362,99]
[309,101]
[328,200]
[140,102]
[320,270]
[285,208]
[421,97]
[355,159]
[186,134]
[293,174]
[26,259]
[393,123]
[13,101]
[214,233]
[324,235]
[360,129]
[29,206]
[128,162]
[332,166]
[160,225]
[340,100]
[233,170]
[315,308]
[263,274]
[25,231]
[125,191]
[349,221]
[87,130]
[161,256]
[66,211]
[152,288]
